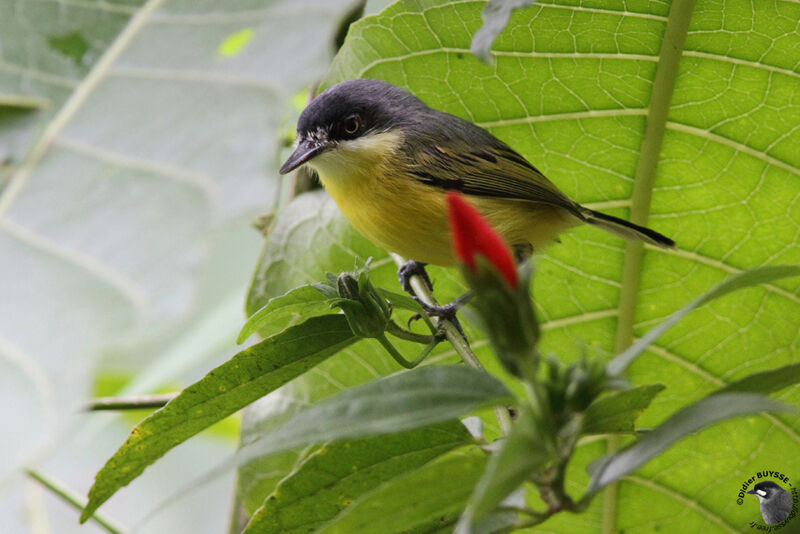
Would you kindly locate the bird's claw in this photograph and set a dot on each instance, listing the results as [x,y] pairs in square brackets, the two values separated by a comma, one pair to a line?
[447,312]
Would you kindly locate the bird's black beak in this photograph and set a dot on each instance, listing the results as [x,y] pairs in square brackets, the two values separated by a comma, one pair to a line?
[306,150]
[751,492]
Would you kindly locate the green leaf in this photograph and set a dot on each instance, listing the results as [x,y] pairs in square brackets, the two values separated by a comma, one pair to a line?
[293,307]
[749,278]
[694,417]
[424,500]
[336,474]
[766,381]
[521,454]
[413,399]
[495,17]
[617,412]
[247,376]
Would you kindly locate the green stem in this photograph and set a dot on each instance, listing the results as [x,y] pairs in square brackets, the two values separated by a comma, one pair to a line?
[660,98]
[455,338]
[399,357]
[397,331]
[71,498]
[141,402]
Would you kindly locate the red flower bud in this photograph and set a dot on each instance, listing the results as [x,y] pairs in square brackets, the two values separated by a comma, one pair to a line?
[472,236]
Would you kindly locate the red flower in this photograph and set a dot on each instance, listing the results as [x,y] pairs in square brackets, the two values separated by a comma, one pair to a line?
[472,236]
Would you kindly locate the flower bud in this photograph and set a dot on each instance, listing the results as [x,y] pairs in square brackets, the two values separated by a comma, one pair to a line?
[473,237]
[501,298]
[367,313]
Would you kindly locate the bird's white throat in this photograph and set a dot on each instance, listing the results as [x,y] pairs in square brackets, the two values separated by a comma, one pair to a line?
[354,157]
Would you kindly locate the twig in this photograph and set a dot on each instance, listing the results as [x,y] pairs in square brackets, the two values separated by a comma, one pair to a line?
[141,402]
[71,498]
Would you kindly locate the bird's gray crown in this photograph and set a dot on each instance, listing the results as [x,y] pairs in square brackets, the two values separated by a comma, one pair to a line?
[377,106]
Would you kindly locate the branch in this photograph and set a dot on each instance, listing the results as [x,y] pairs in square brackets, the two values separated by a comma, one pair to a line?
[142,402]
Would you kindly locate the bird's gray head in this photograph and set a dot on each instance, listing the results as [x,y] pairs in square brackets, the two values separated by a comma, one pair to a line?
[349,111]
[765,490]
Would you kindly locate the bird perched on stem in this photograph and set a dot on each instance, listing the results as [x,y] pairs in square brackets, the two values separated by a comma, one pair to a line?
[388,159]
[775,502]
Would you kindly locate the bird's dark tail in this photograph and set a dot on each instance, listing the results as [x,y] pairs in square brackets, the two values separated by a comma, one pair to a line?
[624,229]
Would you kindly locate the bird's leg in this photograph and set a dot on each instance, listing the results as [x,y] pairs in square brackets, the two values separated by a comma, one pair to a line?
[447,312]
[409,269]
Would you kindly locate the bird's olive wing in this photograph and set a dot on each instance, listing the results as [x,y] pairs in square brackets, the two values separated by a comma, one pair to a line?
[495,171]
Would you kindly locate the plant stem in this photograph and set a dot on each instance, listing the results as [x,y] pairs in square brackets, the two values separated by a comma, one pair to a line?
[141,402]
[399,332]
[386,344]
[71,498]
[455,338]
[663,85]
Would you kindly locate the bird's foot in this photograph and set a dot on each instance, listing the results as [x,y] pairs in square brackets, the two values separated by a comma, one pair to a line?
[409,269]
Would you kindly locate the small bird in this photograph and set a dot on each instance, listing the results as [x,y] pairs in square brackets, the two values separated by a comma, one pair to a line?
[776,502]
[388,159]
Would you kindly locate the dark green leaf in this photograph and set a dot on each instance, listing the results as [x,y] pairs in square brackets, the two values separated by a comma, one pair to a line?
[522,453]
[413,399]
[749,278]
[495,17]
[694,417]
[338,473]
[425,500]
[618,411]
[766,381]
[291,308]
[249,375]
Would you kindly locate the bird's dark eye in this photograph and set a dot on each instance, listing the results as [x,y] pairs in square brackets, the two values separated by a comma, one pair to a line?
[351,124]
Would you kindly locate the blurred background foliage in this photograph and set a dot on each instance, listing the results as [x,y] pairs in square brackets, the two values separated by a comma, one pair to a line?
[139,140]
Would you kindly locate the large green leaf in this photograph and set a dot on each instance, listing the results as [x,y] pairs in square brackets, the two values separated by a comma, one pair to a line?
[685,113]
[127,223]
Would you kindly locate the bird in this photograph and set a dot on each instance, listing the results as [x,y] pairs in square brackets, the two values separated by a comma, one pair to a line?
[388,159]
[775,502]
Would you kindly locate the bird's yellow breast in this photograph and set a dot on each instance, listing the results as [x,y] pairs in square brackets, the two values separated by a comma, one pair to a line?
[403,215]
